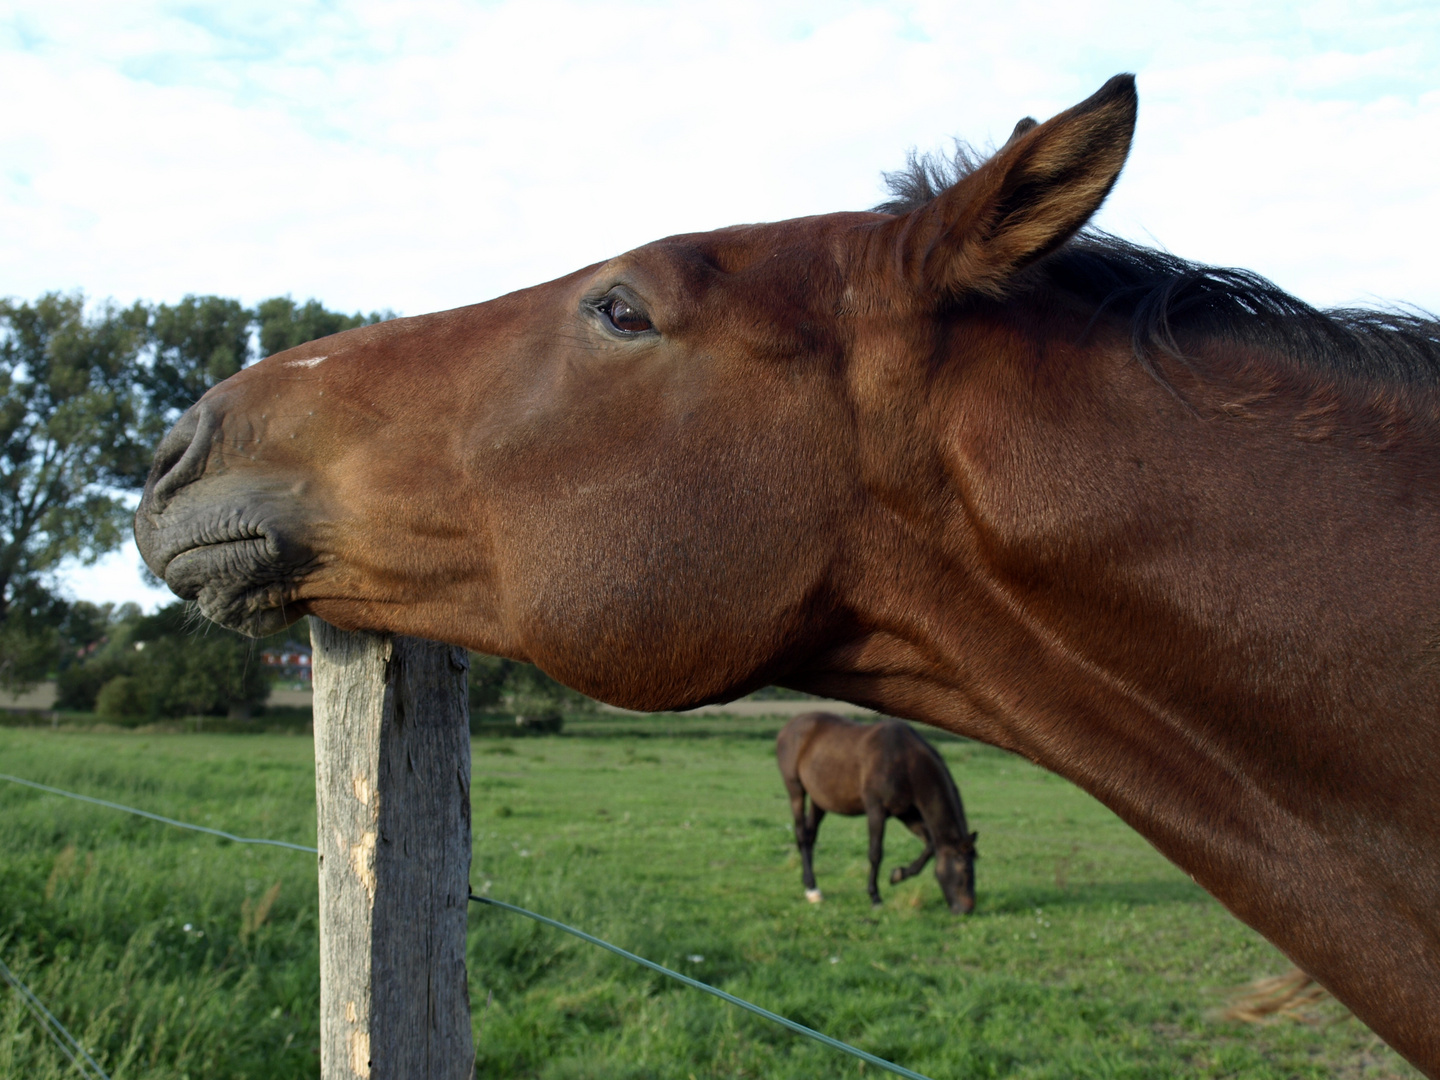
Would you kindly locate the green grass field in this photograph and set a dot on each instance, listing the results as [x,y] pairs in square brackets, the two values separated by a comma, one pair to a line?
[174,956]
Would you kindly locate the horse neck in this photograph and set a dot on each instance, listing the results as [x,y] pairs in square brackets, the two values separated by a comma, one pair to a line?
[1206,622]
[939,803]
[1069,504]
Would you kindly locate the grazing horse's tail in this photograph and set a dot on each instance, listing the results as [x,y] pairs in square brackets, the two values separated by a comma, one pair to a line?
[1280,996]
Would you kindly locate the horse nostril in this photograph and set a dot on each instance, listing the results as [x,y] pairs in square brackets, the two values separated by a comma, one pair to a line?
[181,456]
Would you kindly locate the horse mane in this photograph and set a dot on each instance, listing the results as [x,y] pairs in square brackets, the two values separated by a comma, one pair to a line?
[1170,301]
[951,792]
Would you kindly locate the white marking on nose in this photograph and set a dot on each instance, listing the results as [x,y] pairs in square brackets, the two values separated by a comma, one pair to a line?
[314,361]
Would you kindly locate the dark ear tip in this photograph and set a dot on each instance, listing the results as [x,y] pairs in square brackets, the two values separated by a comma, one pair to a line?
[1023,128]
[1117,88]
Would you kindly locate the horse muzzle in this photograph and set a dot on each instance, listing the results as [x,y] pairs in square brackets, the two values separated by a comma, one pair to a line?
[222,530]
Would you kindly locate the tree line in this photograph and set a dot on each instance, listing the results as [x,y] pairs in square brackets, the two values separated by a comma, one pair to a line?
[87,390]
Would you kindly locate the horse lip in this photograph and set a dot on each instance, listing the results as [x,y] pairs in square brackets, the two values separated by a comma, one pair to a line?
[220,523]
[206,554]
[239,558]
[238,583]
[207,545]
[257,547]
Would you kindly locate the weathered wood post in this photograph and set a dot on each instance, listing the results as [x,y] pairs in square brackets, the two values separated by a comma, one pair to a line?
[392,786]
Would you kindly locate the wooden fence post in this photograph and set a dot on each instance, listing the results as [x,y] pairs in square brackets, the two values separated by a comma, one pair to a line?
[392,787]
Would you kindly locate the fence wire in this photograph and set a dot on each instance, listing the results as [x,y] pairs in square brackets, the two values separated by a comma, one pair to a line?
[799,1029]
[69,1045]
[156,817]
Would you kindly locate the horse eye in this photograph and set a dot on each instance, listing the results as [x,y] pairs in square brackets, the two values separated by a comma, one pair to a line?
[625,318]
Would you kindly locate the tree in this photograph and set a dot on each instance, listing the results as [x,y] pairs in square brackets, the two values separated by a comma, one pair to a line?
[283,324]
[204,340]
[197,343]
[30,634]
[496,681]
[168,664]
[185,667]
[72,436]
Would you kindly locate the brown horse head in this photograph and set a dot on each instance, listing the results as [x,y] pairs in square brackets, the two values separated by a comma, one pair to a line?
[955,870]
[1159,527]
[655,477]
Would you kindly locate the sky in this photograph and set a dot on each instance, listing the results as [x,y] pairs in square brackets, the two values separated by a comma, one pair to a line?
[424,155]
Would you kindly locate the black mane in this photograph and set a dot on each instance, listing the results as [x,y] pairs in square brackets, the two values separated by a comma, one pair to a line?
[1169,300]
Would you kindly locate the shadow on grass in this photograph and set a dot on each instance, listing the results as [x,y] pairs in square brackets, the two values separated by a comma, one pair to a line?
[1021,900]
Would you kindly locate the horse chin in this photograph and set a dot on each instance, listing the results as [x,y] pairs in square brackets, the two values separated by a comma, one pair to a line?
[238,585]
[255,623]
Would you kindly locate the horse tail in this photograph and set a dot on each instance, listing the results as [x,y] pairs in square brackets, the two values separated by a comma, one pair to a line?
[1278,996]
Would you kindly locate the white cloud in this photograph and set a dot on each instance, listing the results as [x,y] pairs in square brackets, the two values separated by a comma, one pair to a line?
[435,153]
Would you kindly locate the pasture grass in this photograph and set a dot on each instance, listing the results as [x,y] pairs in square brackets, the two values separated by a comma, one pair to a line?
[1089,955]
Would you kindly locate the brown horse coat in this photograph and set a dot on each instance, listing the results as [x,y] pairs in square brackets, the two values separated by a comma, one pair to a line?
[1158,527]
[881,770]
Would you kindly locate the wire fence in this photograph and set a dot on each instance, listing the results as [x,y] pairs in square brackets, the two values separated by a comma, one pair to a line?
[775,1018]
[157,817]
[47,1018]
[69,1045]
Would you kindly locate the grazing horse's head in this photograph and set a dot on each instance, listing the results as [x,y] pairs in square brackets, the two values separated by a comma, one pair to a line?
[955,870]
[659,478]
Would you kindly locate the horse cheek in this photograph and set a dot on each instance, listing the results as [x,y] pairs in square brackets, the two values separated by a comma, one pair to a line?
[668,591]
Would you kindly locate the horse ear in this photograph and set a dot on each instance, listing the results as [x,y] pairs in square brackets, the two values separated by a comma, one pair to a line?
[1024,127]
[974,836]
[1028,199]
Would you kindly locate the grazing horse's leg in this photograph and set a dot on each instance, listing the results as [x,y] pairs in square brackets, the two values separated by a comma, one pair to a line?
[806,826]
[807,852]
[875,816]
[917,826]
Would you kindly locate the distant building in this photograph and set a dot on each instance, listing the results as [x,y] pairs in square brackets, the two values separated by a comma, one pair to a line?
[292,660]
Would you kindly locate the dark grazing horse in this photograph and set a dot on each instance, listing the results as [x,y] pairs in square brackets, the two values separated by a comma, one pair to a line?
[1159,527]
[881,770]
